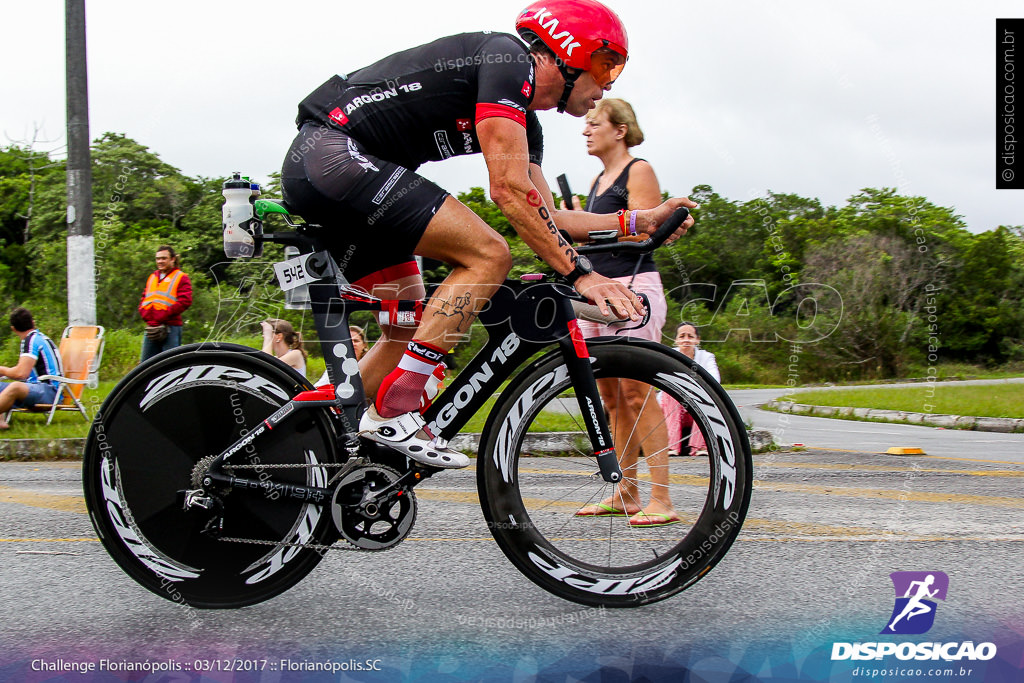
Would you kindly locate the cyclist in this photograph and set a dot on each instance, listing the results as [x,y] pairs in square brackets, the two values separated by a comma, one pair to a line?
[352,169]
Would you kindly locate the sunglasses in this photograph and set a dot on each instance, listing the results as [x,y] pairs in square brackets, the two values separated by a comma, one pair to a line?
[605,67]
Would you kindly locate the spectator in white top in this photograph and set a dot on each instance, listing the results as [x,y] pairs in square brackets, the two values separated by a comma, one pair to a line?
[677,418]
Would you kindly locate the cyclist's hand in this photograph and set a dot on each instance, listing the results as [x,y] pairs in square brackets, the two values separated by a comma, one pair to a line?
[610,296]
[649,220]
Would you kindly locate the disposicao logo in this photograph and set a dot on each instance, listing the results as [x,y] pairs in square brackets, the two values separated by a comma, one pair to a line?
[916,593]
[914,613]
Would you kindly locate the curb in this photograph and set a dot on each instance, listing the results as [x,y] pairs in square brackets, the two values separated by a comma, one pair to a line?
[41,449]
[1006,425]
[536,444]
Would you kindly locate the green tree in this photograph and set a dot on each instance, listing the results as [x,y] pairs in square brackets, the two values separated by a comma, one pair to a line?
[981,302]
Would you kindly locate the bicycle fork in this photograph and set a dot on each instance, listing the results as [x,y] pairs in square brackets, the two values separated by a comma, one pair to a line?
[577,360]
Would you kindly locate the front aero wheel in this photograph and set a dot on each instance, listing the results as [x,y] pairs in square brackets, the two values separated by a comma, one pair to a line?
[531,498]
[140,456]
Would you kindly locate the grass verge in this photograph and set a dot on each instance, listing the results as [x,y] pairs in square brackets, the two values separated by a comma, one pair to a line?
[1000,400]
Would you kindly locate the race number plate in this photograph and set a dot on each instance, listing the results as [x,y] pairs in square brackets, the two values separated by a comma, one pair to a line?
[294,272]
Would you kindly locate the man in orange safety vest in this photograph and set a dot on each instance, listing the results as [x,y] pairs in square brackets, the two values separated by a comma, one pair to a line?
[168,293]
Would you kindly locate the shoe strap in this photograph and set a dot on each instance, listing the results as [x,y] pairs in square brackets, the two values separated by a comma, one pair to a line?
[402,427]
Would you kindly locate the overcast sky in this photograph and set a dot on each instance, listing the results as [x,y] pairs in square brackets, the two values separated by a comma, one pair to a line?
[814,98]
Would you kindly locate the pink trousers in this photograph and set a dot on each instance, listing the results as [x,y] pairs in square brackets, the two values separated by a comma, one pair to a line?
[677,418]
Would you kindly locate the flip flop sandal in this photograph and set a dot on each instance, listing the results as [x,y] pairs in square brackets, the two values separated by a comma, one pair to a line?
[600,510]
[649,519]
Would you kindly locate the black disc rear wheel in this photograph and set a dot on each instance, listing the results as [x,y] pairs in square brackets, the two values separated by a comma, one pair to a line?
[142,451]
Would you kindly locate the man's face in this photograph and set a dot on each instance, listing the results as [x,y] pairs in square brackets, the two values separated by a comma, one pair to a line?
[164,262]
[584,96]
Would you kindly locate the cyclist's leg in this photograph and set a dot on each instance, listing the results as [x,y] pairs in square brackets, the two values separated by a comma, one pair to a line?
[377,213]
[374,213]
[480,260]
[387,351]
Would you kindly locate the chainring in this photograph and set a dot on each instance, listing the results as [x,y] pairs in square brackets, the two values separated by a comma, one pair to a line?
[369,515]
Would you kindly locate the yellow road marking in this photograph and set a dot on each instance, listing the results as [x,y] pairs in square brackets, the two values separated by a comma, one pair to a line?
[891,494]
[47,540]
[774,527]
[929,457]
[886,468]
[742,537]
[76,503]
[51,501]
[853,492]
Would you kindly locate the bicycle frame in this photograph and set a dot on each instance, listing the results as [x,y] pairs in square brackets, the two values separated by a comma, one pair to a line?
[521,319]
[171,513]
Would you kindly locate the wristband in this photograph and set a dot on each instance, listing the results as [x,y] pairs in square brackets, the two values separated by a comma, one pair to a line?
[632,223]
[621,213]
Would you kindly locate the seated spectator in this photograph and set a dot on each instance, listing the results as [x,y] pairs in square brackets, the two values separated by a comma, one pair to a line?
[39,356]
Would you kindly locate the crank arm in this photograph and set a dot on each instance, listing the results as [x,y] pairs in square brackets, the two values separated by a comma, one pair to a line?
[393,490]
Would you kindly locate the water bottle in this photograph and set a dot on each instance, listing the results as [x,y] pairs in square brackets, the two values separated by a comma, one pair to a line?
[240,224]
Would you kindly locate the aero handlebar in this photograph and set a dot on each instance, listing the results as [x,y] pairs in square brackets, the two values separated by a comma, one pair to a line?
[644,246]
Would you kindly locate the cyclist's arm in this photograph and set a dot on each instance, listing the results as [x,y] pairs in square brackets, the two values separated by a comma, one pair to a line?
[579,223]
[644,194]
[503,142]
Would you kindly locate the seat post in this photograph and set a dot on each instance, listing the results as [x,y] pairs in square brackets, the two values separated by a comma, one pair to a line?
[330,315]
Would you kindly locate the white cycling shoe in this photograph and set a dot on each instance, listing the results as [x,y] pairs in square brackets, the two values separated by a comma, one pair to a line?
[407,434]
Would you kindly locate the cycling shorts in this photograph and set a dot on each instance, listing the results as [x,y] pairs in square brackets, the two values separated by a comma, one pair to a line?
[373,211]
[649,284]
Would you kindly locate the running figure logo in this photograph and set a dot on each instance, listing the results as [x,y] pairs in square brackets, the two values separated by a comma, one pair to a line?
[916,593]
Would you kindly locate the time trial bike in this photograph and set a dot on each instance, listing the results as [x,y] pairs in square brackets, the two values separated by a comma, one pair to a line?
[218,476]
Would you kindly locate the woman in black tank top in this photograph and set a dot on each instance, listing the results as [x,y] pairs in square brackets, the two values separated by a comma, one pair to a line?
[625,184]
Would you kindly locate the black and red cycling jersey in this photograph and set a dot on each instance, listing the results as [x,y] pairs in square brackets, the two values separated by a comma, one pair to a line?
[423,104]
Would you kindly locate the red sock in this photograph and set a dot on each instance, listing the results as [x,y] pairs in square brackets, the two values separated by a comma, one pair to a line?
[401,390]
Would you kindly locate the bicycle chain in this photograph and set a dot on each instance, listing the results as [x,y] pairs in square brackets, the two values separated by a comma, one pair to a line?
[344,468]
[311,546]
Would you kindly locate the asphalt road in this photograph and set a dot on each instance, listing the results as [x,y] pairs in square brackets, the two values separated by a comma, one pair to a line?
[810,568]
[870,437]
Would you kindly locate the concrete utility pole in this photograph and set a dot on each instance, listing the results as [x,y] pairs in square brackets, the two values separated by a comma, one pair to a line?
[81,256]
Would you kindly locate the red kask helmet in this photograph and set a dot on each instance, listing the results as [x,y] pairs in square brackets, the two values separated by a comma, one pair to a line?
[584,35]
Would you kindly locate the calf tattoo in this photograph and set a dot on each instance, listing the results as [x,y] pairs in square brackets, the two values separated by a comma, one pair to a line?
[458,307]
